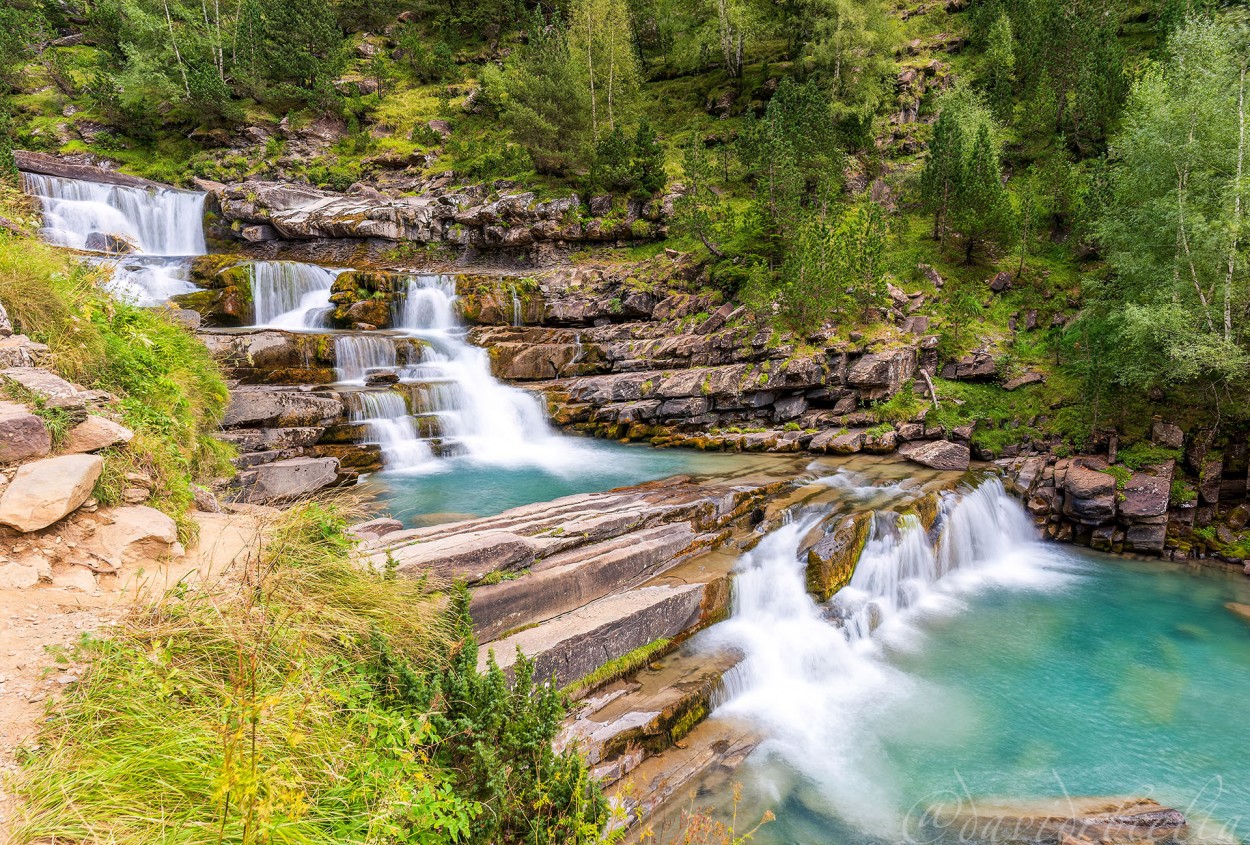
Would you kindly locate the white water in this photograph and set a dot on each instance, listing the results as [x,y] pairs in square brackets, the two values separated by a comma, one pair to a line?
[818,691]
[355,355]
[291,294]
[157,221]
[165,226]
[388,423]
[149,280]
[488,422]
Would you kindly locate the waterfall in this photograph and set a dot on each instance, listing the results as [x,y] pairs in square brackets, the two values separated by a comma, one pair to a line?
[356,354]
[291,294]
[157,221]
[487,421]
[516,307]
[147,281]
[810,684]
[386,418]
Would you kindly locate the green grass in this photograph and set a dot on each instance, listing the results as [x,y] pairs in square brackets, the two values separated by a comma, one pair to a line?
[248,711]
[624,665]
[169,390]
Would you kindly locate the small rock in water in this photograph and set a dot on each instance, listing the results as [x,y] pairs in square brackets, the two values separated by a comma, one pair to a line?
[1241,611]
[382,377]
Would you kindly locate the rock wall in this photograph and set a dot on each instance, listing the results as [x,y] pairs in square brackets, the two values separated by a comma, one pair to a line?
[496,217]
[1192,506]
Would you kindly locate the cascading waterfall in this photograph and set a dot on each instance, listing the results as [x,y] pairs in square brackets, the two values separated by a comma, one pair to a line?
[485,420]
[385,415]
[291,294]
[164,226]
[355,355]
[160,221]
[810,684]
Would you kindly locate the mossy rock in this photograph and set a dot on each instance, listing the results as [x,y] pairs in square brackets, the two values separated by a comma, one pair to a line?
[925,509]
[218,271]
[831,562]
[229,307]
[374,312]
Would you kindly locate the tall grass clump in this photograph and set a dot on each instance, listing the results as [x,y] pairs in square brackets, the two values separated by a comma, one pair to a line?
[303,699]
[170,391]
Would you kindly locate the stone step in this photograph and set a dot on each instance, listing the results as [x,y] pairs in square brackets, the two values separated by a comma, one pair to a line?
[630,720]
[569,580]
[569,647]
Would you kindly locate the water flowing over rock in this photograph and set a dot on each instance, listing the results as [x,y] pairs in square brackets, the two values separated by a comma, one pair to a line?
[158,221]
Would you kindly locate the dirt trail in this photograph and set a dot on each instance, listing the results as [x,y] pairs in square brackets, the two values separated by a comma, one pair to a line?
[39,626]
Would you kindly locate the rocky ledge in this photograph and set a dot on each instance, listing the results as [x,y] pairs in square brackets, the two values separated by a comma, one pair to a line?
[494,217]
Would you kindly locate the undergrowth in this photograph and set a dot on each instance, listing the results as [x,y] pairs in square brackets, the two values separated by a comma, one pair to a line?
[303,700]
[170,391]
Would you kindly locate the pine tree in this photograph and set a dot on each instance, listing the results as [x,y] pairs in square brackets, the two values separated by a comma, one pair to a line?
[944,169]
[982,207]
[1000,62]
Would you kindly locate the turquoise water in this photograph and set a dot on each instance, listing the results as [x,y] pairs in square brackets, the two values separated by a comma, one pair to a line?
[1073,674]
[461,486]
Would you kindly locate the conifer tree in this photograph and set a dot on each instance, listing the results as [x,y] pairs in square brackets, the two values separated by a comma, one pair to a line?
[1000,64]
[982,208]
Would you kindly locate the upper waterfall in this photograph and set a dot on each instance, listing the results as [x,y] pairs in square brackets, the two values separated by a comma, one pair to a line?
[157,221]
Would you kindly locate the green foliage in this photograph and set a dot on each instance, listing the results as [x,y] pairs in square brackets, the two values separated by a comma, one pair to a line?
[1122,475]
[496,736]
[171,392]
[632,166]
[251,715]
[833,268]
[902,407]
[20,30]
[961,184]
[540,98]
[1069,65]
[1140,455]
[1172,232]
[1182,492]
[1000,66]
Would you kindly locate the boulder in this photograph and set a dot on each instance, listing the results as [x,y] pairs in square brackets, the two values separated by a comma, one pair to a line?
[937,454]
[110,243]
[1241,611]
[280,409]
[6,325]
[45,491]
[55,391]
[849,443]
[376,528]
[1072,819]
[15,576]
[831,562]
[95,433]
[879,375]
[1088,482]
[1146,493]
[976,366]
[470,557]
[22,434]
[284,481]
[999,282]
[133,536]
[1167,435]
[1023,380]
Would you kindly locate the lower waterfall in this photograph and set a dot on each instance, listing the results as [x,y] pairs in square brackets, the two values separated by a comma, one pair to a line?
[807,681]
